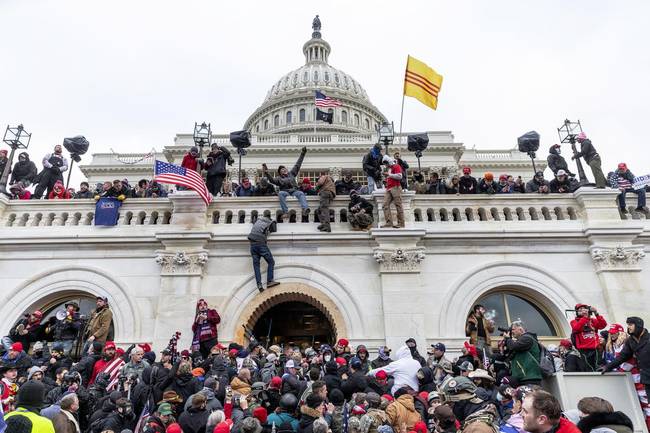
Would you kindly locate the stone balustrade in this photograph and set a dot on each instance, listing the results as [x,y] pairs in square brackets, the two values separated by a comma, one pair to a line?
[420,210]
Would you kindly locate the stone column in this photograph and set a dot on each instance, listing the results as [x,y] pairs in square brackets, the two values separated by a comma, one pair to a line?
[407,197]
[182,263]
[617,259]
[402,291]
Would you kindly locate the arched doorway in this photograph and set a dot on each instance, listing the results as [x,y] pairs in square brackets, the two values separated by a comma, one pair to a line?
[295,322]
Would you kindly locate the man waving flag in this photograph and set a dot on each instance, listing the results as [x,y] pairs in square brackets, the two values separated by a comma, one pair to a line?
[165,172]
[422,82]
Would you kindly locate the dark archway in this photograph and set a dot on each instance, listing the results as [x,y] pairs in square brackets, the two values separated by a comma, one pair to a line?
[294,322]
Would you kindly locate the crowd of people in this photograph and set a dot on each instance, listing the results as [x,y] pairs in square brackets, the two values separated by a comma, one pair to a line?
[381,171]
[65,375]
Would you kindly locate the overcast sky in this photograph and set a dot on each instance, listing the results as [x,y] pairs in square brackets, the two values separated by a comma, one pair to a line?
[129,75]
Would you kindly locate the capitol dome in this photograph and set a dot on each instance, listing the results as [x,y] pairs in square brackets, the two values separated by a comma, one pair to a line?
[289,105]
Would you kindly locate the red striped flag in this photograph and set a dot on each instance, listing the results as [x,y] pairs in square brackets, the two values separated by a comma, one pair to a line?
[113,369]
[165,172]
[325,101]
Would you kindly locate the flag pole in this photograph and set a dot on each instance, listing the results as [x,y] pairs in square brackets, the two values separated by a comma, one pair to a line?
[401,116]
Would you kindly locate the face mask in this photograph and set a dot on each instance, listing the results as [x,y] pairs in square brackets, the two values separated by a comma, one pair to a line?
[328,358]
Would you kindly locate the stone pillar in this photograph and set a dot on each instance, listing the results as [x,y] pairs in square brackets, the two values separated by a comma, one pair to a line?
[402,291]
[182,263]
[617,260]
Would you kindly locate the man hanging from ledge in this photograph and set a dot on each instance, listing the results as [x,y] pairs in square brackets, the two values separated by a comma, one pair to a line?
[286,182]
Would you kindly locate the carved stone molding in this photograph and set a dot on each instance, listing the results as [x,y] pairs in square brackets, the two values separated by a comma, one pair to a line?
[399,260]
[618,258]
[181,263]
[335,172]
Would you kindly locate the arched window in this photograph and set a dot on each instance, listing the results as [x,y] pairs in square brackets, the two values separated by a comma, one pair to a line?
[367,124]
[327,77]
[356,120]
[315,76]
[336,79]
[504,307]
[276,120]
[344,116]
[257,128]
[301,115]
[305,76]
[289,117]
[266,124]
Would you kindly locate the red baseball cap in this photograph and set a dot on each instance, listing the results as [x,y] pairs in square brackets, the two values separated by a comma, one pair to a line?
[109,345]
[145,346]
[341,362]
[616,328]
[17,347]
[343,342]
[381,375]
[276,382]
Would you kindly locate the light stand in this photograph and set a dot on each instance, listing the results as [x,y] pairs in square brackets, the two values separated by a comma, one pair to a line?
[418,143]
[568,132]
[240,140]
[16,138]
[386,134]
[202,135]
[77,146]
[529,144]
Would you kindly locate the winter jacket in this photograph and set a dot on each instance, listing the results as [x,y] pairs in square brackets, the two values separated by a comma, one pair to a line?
[372,420]
[85,367]
[240,386]
[615,422]
[24,171]
[261,229]
[573,362]
[425,380]
[40,424]
[213,320]
[185,384]
[262,190]
[288,181]
[561,186]
[307,418]
[245,192]
[133,368]
[639,347]
[117,422]
[332,378]
[356,382]
[436,188]
[363,204]
[22,362]
[555,161]
[215,162]
[194,420]
[191,162]
[468,185]
[292,384]
[533,186]
[566,426]
[281,418]
[587,151]
[584,331]
[64,424]
[524,361]
[472,325]
[212,403]
[404,369]
[404,166]
[344,187]
[326,184]
[487,188]
[372,163]
[381,360]
[402,411]
[99,324]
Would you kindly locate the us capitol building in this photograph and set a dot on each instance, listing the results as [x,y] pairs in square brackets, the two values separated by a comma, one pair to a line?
[523,256]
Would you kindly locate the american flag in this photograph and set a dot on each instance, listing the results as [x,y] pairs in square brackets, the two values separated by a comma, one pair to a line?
[326,101]
[113,368]
[146,413]
[165,172]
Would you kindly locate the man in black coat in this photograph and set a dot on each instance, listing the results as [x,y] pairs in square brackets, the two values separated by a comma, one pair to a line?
[331,377]
[24,170]
[637,346]
[215,164]
[372,168]
[591,157]
[356,380]
[54,164]
[346,185]
[556,161]
[194,419]
[122,419]
[467,183]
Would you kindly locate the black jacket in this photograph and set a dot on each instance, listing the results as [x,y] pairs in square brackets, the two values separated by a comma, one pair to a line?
[307,418]
[485,188]
[372,166]
[332,378]
[556,162]
[565,186]
[468,185]
[617,421]
[344,187]
[194,420]
[24,171]
[356,382]
[117,422]
[363,204]
[587,151]
[639,347]
[436,188]
[85,367]
[215,162]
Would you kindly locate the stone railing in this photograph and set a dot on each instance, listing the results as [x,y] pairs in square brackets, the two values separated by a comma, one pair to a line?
[48,213]
[420,210]
[364,138]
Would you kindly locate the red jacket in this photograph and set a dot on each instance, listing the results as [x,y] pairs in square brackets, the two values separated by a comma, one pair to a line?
[212,320]
[99,366]
[190,162]
[390,182]
[566,426]
[585,330]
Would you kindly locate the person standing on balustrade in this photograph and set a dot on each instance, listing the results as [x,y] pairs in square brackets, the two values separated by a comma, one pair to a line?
[286,182]
[54,164]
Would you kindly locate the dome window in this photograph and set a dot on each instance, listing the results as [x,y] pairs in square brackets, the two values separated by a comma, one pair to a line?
[344,116]
[266,124]
[295,79]
[301,114]
[356,120]
[305,77]
[367,124]
[336,79]
[289,117]
[327,77]
[315,76]
[276,120]
[257,128]
[345,81]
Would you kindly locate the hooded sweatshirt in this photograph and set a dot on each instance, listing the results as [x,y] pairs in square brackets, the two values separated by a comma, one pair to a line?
[404,370]
[23,170]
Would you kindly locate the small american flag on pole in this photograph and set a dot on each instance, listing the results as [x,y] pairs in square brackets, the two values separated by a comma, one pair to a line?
[165,172]
[326,101]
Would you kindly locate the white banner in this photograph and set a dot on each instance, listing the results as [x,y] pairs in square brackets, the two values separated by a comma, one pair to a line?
[641,182]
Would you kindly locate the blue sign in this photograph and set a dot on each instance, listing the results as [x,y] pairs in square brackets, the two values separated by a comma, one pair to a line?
[107,210]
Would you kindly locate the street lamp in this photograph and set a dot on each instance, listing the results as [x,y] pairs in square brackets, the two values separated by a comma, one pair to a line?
[202,135]
[16,138]
[386,134]
[568,132]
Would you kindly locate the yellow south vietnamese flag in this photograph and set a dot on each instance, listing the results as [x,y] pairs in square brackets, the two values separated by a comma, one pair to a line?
[422,83]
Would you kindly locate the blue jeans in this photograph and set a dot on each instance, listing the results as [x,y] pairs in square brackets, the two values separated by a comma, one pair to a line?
[258,251]
[297,194]
[638,192]
[371,184]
